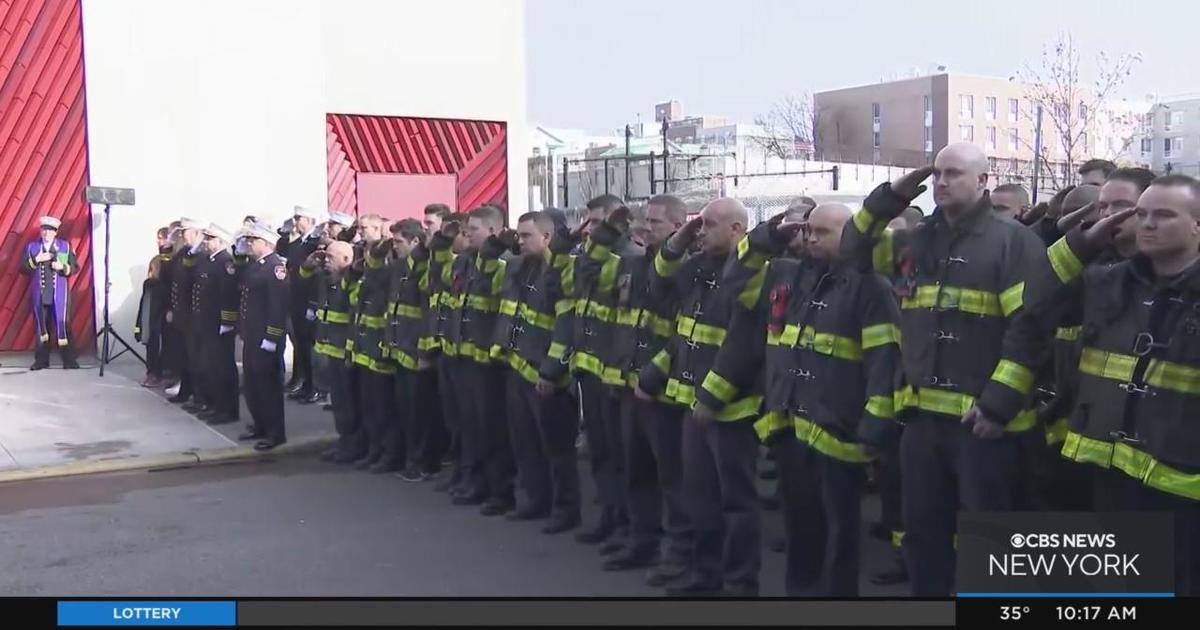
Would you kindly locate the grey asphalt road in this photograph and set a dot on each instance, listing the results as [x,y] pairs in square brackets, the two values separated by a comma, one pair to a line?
[296,527]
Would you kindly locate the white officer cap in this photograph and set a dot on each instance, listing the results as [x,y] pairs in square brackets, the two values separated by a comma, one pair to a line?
[217,231]
[262,231]
[50,222]
[301,211]
[190,224]
[341,218]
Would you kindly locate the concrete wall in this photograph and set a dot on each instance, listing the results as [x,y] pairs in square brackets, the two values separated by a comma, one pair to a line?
[216,109]
[846,122]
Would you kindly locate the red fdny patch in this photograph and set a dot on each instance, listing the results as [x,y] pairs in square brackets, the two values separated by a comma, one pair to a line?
[281,272]
[907,279]
[779,301]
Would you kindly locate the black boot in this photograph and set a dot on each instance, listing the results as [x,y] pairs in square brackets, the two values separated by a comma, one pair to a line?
[601,531]
[561,522]
[68,358]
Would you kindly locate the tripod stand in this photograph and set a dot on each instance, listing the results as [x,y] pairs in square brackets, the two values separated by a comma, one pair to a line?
[106,330]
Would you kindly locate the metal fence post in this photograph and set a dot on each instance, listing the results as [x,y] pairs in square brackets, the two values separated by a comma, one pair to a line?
[566,197]
[653,183]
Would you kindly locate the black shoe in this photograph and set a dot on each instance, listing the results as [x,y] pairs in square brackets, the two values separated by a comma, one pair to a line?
[250,435]
[528,513]
[411,475]
[561,522]
[613,545]
[898,574]
[428,476]
[207,413]
[312,398]
[293,386]
[194,407]
[631,558]
[38,366]
[665,573]
[365,462]
[327,406]
[694,588]
[178,399]
[383,466]
[345,458]
[219,419]
[471,497]
[778,545]
[329,455]
[71,365]
[445,485]
[268,444]
[495,508]
[598,533]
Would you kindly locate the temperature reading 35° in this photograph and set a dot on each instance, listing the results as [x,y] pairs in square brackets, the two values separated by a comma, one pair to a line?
[1013,613]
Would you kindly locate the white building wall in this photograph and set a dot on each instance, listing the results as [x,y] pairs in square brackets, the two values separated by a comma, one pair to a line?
[215,109]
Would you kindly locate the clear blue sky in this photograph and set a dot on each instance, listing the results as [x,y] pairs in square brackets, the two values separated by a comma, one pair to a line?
[594,64]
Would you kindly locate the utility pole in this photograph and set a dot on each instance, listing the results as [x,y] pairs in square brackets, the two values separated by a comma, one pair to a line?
[628,136]
[1037,155]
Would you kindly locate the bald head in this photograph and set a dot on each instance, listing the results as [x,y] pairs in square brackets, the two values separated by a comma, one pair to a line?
[724,224]
[338,256]
[825,224]
[959,177]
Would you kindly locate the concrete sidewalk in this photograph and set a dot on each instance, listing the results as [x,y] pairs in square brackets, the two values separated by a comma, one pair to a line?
[62,422]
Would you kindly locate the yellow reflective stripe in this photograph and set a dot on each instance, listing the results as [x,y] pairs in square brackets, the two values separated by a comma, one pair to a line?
[427,343]
[188,261]
[443,256]
[822,343]
[595,251]
[628,316]
[879,335]
[508,307]
[375,365]
[483,303]
[971,301]
[1068,333]
[541,320]
[881,406]
[956,404]
[277,332]
[770,423]
[897,538]
[449,348]
[373,262]
[720,388]
[567,278]
[1173,376]
[1066,264]
[372,321]
[691,329]
[664,267]
[747,256]
[556,351]
[745,408]
[305,272]
[680,392]
[826,443]
[563,306]
[405,360]
[883,255]
[408,310]
[588,308]
[468,349]
[588,363]
[1056,432]
[1118,367]
[1133,462]
[867,224]
[229,316]
[498,277]
[608,274]
[753,290]
[522,367]
[662,361]
[1012,298]
[1014,375]
[329,350]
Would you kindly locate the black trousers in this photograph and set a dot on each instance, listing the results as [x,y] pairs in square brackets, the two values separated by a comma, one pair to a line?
[719,473]
[423,437]
[184,358]
[1056,484]
[377,395]
[822,513]
[602,425]
[264,391]
[943,468]
[653,436]
[542,431]
[303,339]
[155,351]
[50,328]
[453,388]
[1114,491]
[347,409]
[216,380]
[485,429]
[890,494]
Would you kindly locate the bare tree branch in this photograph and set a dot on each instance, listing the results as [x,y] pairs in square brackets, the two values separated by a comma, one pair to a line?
[791,123]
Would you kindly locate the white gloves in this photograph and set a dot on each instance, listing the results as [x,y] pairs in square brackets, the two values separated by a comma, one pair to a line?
[267,345]
[310,315]
[225,330]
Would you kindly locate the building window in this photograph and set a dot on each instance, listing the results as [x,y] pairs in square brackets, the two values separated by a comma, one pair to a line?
[1177,145]
[875,111]
[928,104]
[1083,142]
[989,105]
[1147,145]
[1167,147]
[1014,166]
[966,133]
[1014,109]
[1149,120]
[1014,139]
[967,106]
[876,137]
[991,139]
[1083,111]
[1176,119]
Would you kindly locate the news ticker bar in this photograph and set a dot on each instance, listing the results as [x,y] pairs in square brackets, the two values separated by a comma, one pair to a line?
[1007,611]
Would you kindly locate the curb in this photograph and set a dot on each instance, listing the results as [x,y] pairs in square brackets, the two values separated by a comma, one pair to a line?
[171,461]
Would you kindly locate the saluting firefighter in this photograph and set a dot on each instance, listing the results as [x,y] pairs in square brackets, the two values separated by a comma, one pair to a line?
[295,248]
[49,261]
[215,294]
[262,320]
[182,275]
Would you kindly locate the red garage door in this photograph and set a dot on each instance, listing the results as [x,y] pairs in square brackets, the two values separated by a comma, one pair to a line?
[43,155]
